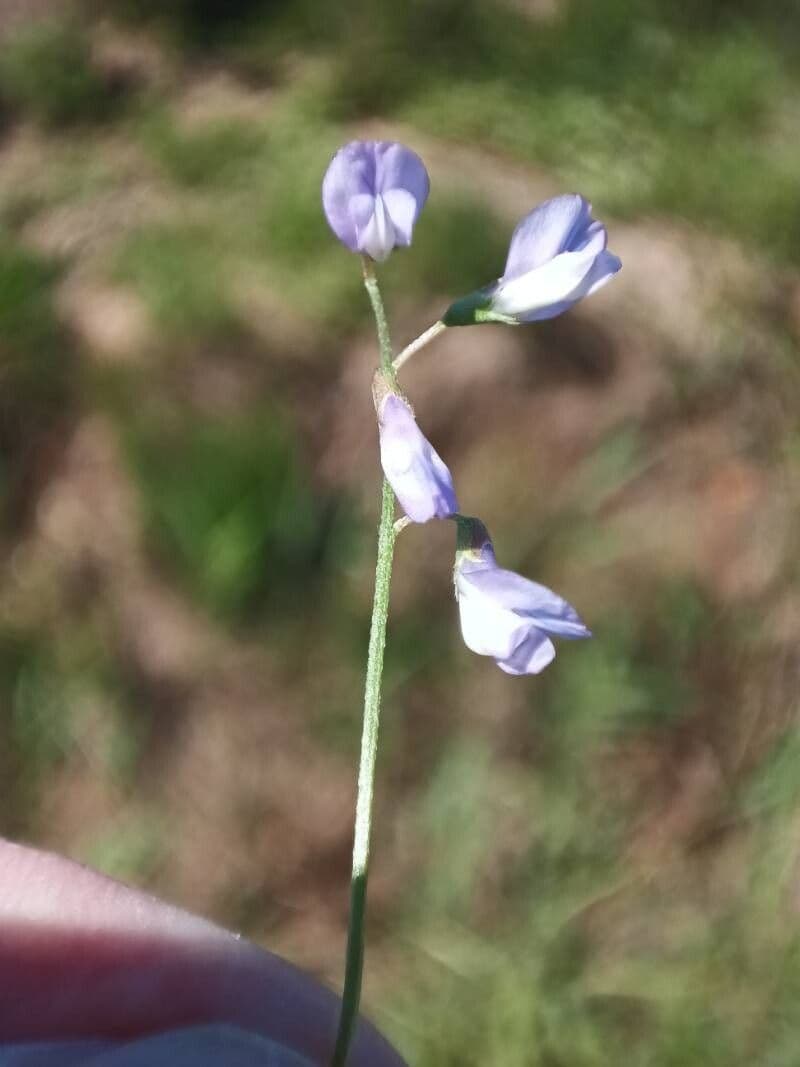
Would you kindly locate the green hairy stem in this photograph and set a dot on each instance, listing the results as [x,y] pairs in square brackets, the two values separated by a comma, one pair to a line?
[387,534]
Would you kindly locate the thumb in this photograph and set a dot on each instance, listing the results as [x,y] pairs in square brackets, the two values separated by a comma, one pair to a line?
[200,1046]
[83,956]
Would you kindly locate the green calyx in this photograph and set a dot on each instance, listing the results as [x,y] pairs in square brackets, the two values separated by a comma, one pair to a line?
[475,309]
[471,536]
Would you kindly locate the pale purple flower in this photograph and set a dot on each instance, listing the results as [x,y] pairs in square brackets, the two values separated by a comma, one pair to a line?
[417,474]
[372,193]
[557,256]
[504,615]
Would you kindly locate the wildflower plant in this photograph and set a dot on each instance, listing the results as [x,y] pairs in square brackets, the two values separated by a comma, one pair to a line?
[373,193]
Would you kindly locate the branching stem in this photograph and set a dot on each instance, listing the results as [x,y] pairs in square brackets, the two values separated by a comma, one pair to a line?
[423,339]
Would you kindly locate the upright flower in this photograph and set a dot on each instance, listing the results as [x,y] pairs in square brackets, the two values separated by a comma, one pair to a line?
[557,256]
[372,193]
[503,614]
[417,474]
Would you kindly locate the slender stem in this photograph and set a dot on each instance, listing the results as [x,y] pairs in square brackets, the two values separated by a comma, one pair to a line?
[366,780]
[384,341]
[423,339]
[354,964]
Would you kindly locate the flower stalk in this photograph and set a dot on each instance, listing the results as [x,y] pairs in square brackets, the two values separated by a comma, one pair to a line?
[387,534]
[381,322]
[420,342]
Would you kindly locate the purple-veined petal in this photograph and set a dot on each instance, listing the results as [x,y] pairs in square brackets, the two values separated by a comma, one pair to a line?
[548,230]
[397,167]
[350,175]
[526,600]
[362,208]
[535,652]
[417,474]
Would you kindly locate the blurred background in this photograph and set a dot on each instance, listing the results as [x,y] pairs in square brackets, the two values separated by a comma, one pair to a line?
[600,862]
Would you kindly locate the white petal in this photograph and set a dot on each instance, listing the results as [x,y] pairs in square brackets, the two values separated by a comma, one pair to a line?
[377,238]
[487,628]
[531,656]
[402,209]
[559,280]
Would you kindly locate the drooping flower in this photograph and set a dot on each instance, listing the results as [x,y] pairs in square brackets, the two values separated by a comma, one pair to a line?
[504,615]
[372,194]
[557,256]
[417,474]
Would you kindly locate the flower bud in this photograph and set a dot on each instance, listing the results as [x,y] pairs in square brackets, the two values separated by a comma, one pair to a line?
[417,474]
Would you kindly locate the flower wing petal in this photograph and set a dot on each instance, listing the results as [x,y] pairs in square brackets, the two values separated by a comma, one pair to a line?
[527,600]
[361,209]
[547,231]
[397,167]
[351,173]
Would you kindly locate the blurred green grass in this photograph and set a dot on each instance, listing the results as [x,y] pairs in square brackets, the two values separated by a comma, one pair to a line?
[553,914]
[229,508]
[37,372]
[47,73]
